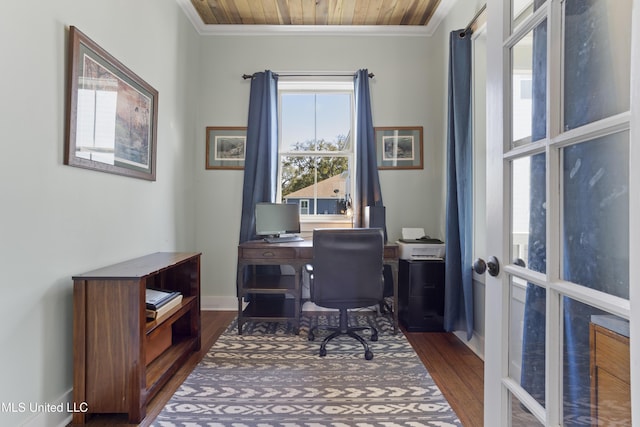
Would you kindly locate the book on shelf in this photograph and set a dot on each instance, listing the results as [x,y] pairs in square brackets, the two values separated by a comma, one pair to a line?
[156,298]
[165,308]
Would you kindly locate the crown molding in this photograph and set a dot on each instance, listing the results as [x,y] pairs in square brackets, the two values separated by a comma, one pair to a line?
[316,30]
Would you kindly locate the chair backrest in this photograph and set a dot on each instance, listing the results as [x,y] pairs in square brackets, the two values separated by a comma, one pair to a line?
[347,267]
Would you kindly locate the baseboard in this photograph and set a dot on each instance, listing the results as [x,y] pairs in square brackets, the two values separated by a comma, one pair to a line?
[209,303]
[55,413]
[475,344]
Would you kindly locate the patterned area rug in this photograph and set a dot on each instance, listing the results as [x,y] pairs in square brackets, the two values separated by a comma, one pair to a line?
[270,377]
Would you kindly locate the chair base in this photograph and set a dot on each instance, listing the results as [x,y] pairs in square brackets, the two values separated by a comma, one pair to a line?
[344,329]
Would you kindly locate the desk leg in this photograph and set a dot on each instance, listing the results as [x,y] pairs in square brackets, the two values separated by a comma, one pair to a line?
[297,306]
[240,281]
[394,271]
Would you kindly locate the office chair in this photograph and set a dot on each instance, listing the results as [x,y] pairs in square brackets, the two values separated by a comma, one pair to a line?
[346,273]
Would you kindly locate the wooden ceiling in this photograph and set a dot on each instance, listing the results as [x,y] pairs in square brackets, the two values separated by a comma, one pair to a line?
[316,12]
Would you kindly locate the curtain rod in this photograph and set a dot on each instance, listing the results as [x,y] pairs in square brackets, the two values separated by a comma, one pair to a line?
[250,76]
[468,27]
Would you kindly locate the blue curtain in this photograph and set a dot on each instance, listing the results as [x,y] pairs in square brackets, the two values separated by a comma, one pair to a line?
[368,192]
[261,151]
[458,311]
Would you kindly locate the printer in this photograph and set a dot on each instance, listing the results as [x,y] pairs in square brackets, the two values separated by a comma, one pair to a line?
[416,245]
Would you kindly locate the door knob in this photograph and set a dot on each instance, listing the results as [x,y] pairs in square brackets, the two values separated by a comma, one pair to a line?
[519,262]
[480,266]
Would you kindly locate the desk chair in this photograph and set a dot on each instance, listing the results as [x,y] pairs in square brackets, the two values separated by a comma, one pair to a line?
[346,273]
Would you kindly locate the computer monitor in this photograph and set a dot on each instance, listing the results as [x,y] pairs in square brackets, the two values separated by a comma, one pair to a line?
[274,219]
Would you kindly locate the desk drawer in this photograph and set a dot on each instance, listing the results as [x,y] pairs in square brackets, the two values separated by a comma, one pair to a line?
[268,253]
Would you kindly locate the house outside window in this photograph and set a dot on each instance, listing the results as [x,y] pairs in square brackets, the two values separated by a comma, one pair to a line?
[316,148]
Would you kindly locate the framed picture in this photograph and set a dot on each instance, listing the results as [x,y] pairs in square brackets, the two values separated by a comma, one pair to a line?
[112,114]
[399,147]
[225,147]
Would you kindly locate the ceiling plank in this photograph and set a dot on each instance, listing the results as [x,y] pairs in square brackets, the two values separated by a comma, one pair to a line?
[218,12]
[347,12]
[246,13]
[360,12]
[295,10]
[322,12]
[204,11]
[430,10]
[271,15]
[373,12]
[411,9]
[283,12]
[308,12]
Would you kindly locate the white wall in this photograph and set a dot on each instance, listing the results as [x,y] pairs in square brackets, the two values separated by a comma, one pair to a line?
[56,220]
[405,92]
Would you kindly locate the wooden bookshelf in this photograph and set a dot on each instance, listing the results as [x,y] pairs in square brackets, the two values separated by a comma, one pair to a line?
[122,359]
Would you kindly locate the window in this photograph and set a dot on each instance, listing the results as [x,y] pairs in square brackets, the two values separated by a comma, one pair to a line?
[316,146]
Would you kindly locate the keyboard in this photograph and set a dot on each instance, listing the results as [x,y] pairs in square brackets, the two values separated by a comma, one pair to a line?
[283,239]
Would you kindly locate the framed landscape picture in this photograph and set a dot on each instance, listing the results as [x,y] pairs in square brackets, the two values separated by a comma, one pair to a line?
[226,147]
[111,113]
[399,147]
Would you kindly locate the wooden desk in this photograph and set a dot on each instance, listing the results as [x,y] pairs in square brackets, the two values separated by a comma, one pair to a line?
[297,255]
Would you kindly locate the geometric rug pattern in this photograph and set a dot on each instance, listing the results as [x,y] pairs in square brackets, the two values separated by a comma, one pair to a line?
[271,377]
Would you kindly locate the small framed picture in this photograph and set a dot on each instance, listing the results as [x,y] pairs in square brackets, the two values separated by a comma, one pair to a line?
[226,147]
[399,147]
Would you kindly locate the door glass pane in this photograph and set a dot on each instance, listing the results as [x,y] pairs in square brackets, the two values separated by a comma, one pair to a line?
[522,9]
[527,337]
[597,50]
[520,416]
[596,381]
[595,210]
[528,217]
[529,87]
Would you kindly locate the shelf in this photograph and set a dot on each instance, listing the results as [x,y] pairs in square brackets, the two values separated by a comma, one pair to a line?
[173,315]
[162,368]
[269,284]
[276,310]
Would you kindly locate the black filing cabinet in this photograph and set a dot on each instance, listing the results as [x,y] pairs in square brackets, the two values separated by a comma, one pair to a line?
[421,295]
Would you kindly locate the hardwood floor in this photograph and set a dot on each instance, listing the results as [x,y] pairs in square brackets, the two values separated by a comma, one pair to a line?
[455,369]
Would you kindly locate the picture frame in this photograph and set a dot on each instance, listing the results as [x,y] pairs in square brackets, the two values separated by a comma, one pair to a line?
[111,113]
[226,147]
[399,147]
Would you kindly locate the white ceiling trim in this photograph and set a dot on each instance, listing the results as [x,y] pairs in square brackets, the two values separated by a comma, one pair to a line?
[322,30]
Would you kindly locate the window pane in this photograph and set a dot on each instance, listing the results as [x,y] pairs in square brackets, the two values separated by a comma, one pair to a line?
[529,87]
[595,196]
[298,121]
[320,185]
[528,213]
[597,60]
[315,121]
[522,9]
[596,380]
[520,416]
[527,334]
[333,112]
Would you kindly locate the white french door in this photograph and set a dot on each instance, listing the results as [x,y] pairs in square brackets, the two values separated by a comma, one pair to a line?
[562,212]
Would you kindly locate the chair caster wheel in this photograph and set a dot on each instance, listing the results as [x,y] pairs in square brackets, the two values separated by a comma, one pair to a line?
[374,337]
[323,352]
[368,355]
